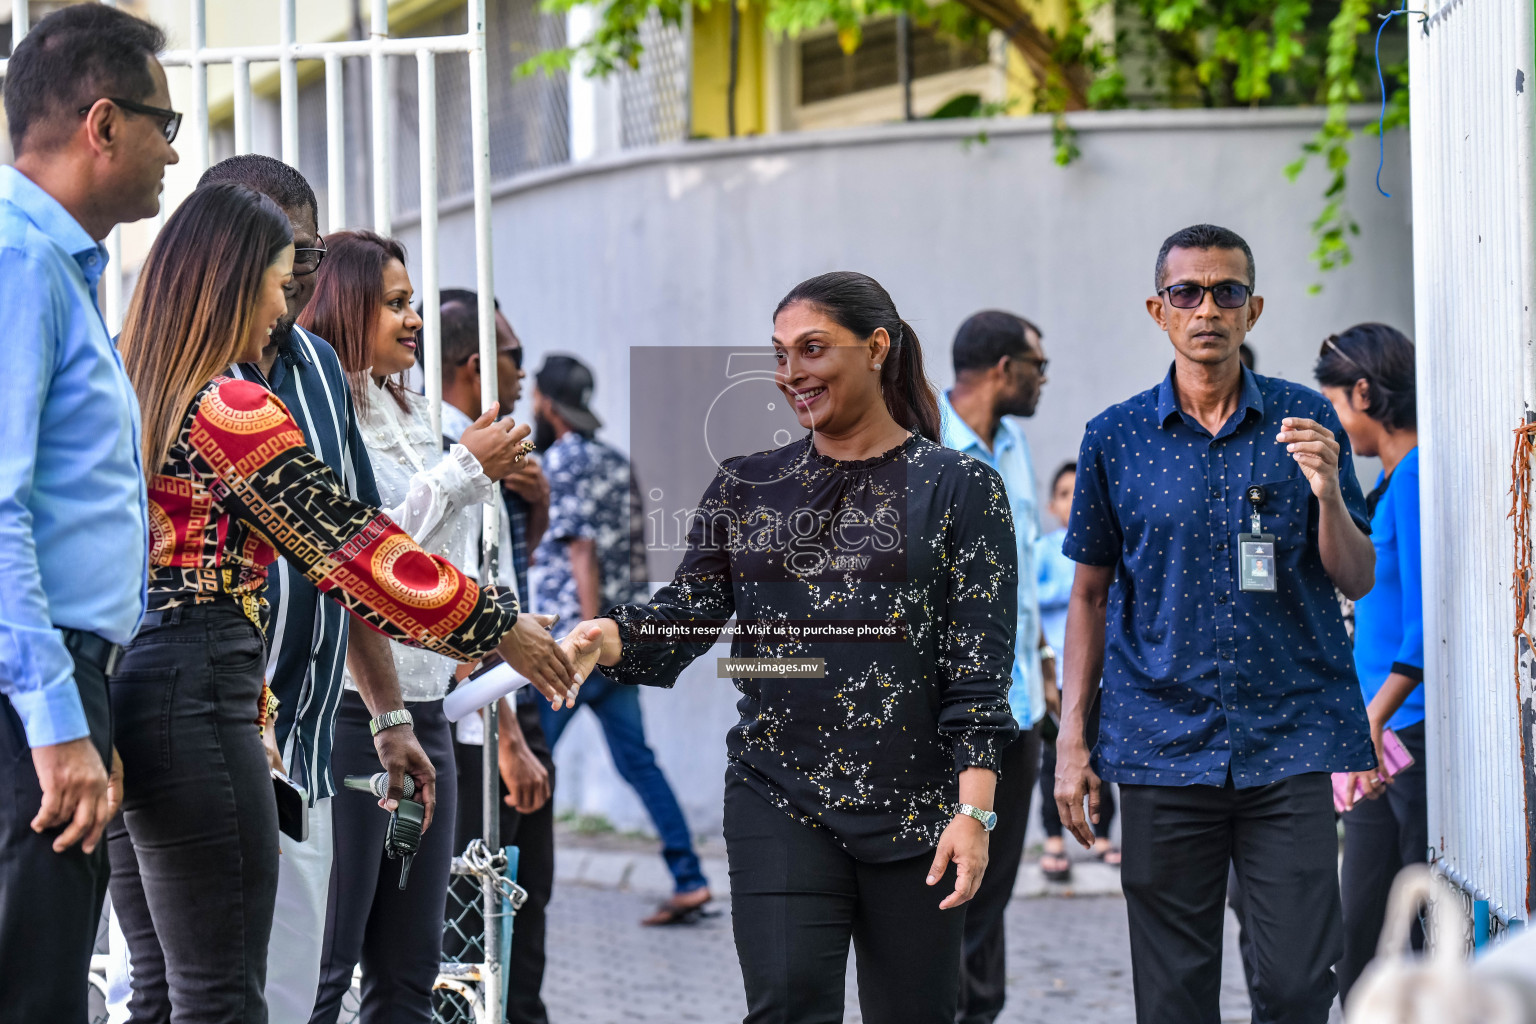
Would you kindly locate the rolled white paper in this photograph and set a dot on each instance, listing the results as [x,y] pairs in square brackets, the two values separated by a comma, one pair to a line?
[473,694]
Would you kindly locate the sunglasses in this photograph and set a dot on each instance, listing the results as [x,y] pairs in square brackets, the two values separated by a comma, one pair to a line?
[514,354]
[172,119]
[1228,294]
[1331,342]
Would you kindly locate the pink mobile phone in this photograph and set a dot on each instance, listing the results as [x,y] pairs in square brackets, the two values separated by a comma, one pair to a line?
[1397,758]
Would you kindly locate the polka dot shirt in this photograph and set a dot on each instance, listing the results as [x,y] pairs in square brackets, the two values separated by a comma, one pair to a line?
[1201,679]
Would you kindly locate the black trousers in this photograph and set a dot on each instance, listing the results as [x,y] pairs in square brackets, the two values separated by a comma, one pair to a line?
[797,898]
[1239,907]
[50,902]
[194,853]
[534,836]
[983,971]
[1050,817]
[1381,837]
[396,934]
[1179,842]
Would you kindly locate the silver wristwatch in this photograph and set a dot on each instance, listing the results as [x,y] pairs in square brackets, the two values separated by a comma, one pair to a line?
[988,819]
[390,719]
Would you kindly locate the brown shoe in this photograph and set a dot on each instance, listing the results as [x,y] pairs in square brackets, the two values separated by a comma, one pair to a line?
[682,908]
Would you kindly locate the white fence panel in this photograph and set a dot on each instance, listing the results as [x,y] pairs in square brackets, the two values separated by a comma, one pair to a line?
[195,146]
[1470,63]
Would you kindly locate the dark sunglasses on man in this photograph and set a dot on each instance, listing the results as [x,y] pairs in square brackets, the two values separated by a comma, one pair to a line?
[514,354]
[1228,294]
[172,120]
[1030,359]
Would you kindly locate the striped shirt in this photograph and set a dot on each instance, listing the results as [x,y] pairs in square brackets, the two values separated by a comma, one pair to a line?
[307,635]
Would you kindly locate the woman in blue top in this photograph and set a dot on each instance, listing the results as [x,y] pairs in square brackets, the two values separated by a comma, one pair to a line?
[1367,373]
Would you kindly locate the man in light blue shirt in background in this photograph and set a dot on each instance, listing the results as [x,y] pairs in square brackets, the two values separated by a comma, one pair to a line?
[999,371]
[87,107]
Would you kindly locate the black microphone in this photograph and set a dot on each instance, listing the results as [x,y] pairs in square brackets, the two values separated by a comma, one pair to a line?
[402,837]
[378,784]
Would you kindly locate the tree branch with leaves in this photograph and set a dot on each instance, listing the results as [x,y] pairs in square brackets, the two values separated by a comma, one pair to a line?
[1164,53]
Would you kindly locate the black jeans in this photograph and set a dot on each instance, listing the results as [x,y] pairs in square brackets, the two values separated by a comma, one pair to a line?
[50,902]
[1381,837]
[194,853]
[983,973]
[396,934]
[534,836]
[1179,842]
[797,897]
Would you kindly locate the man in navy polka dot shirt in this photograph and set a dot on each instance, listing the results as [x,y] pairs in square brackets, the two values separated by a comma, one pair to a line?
[1229,690]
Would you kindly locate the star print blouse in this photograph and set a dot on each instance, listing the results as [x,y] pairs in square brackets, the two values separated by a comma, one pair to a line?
[899,573]
[1202,679]
[239,489]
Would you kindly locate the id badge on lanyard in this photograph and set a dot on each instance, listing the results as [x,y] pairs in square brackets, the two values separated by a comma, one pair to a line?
[1256,550]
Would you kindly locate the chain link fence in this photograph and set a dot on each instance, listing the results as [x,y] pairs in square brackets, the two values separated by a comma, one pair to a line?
[654,98]
[457,998]
[529,113]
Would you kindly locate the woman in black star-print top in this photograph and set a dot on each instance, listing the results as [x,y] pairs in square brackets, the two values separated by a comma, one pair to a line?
[841,809]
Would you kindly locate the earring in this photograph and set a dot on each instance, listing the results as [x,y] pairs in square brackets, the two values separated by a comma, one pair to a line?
[877,366]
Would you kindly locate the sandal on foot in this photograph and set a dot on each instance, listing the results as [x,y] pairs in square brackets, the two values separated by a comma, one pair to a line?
[684,908]
[1055,867]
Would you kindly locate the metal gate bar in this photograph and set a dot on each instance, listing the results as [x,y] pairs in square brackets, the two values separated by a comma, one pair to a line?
[379,49]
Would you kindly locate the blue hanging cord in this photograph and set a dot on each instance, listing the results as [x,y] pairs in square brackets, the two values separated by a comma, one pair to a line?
[1381,127]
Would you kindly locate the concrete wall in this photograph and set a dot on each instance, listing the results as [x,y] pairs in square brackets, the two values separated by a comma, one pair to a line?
[695,244]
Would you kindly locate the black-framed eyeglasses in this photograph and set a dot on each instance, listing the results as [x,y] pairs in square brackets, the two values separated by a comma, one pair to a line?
[172,123]
[1228,294]
[1036,361]
[307,260]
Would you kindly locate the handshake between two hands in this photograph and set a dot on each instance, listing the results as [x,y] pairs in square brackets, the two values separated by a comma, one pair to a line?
[556,668]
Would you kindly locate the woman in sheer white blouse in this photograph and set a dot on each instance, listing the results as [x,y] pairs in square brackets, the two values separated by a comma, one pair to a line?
[362,305]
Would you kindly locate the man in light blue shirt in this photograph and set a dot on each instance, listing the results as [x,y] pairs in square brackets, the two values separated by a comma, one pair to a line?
[87,107]
[999,371]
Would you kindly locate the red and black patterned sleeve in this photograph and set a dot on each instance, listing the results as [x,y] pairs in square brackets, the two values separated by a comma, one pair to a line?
[257,467]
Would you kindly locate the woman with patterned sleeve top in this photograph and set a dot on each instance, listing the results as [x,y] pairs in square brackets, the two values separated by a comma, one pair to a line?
[855,799]
[194,859]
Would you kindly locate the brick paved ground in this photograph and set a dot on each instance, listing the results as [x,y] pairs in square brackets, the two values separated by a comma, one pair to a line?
[1068,960]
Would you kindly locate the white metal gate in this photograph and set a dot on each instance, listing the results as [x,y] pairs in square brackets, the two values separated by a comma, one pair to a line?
[1471,84]
[194,148]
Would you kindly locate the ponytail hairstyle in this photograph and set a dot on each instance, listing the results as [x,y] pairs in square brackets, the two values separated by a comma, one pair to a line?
[857,303]
[1383,357]
[195,304]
